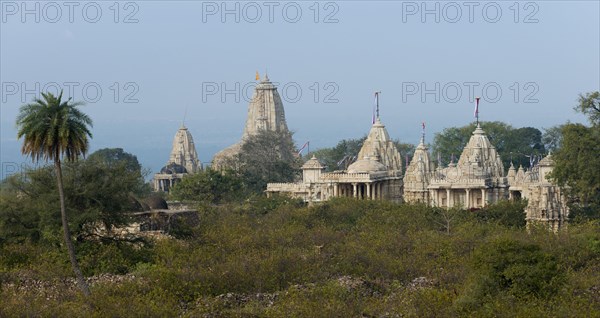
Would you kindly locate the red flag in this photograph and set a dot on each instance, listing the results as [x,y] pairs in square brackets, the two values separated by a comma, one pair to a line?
[303,146]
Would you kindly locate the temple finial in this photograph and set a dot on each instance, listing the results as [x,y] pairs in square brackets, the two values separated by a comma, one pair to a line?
[184,115]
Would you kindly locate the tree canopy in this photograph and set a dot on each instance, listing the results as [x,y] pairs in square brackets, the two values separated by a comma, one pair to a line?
[267,157]
[94,191]
[577,165]
[208,186]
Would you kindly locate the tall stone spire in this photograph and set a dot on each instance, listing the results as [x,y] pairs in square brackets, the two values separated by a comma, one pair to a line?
[378,143]
[481,157]
[418,173]
[265,113]
[184,152]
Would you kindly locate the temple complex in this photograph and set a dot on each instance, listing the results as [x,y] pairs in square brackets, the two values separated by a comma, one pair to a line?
[265,113]
[476,180]
[183,160]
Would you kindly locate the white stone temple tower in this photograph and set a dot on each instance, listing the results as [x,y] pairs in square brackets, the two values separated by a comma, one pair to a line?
[183,160]
[418,173]
[379,144]
[265,113]
[184,152]
[475,181]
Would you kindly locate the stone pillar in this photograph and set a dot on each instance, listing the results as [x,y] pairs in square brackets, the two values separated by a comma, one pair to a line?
[483,197]
[354,190]
[510,195]
[335,189]
[368,185]
[448,204]
[468,199]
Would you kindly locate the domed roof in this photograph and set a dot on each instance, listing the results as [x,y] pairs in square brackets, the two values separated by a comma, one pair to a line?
[156,202]
[378,142]
[479,152]
[312,163]
[366,165]
[173,168]
[547,161]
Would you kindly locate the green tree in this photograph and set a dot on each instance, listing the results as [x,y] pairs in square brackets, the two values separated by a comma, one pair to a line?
[506,213]
[94,192]
[551,138]
[53,129]
[340,156]
[267,157]
[521,269]
[208,186]
[116,156]
[126,163]
[589,105]
[577,165]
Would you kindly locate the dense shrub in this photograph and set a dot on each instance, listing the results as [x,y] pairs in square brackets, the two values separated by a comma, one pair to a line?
[274,257]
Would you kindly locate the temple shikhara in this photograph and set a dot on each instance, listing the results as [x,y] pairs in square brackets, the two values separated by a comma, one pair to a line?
[265,113]
[477,179]
[183,160]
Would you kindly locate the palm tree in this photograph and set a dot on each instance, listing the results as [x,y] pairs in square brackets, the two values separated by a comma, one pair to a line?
[52,129]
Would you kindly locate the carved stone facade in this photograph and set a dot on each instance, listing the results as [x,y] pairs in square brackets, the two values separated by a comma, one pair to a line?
[183,160]
[417,176]
[265,113]
[475,181]
[377,176]
[546,203]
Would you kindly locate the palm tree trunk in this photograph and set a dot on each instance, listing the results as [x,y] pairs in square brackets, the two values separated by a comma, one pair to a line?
[63,213]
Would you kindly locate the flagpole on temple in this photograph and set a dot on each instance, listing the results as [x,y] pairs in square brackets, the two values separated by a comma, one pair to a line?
[377,94]
[477,109]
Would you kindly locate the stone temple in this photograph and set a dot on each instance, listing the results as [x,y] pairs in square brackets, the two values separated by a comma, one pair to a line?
[265,113]
[545,201]
[476,180]
[183,160]
[376,175]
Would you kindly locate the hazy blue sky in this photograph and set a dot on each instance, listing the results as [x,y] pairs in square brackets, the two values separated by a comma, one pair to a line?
[175,54]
